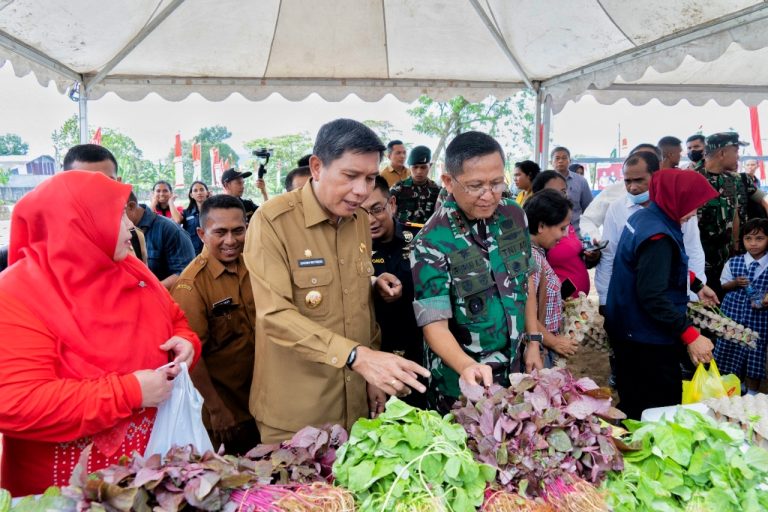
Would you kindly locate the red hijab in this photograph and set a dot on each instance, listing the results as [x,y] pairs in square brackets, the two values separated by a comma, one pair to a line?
[678,192]
[107,316]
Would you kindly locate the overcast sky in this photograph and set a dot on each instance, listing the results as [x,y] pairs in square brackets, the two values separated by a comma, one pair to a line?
[586,127]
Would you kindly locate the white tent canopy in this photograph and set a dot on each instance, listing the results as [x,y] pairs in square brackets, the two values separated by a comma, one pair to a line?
[563,49]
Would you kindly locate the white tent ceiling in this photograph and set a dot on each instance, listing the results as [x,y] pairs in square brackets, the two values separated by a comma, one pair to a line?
[611,49]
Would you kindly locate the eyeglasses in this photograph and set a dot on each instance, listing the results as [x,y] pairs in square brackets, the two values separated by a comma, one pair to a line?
[479,190]
[374,210]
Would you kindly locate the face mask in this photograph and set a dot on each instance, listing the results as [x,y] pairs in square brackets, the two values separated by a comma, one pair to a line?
[639,198]
[696,155]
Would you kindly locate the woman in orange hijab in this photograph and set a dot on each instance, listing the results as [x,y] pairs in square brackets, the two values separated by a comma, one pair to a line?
[84,325]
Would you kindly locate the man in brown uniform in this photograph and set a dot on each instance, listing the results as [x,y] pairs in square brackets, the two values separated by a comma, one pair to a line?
[215,293]
[308,252]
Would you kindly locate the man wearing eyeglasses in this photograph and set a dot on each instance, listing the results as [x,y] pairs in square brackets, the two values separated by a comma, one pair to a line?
[391,259]
[416,196]
[470,266]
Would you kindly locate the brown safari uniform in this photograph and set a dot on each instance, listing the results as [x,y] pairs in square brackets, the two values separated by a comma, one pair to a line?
[392,176]
[312,284]
[218,302]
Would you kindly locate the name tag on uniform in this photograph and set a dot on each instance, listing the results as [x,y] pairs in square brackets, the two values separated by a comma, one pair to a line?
[223,302]
[312,262]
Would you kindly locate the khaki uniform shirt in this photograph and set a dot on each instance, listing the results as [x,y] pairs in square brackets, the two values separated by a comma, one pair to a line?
[312,283]
[392,176]
[218,302]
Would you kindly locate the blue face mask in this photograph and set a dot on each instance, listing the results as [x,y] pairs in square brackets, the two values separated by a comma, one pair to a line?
[639,198]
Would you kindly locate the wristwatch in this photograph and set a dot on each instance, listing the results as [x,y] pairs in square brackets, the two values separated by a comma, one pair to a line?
[533,336]
[352,358]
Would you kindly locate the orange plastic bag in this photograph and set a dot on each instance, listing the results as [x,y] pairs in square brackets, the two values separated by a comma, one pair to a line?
[709,384]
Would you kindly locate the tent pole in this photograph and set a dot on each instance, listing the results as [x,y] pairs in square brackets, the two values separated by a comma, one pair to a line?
[83,114]
[537,135]
[546,123]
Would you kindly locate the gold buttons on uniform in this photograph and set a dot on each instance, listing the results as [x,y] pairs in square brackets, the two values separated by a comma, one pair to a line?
[313,280]
[313,299]
[334,360]
[341,261]
[346,292]
[349,378]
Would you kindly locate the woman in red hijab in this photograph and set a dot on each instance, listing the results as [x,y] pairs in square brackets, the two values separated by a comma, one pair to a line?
[84,325]
[645,313]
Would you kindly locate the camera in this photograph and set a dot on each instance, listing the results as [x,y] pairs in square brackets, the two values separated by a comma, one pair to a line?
[262,154]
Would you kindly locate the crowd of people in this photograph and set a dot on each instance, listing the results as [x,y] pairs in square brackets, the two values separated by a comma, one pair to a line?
[356,284]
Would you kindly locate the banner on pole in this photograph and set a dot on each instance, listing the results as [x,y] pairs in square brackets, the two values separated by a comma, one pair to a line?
[96,139]
[754,123]
[178,164]
[197,165]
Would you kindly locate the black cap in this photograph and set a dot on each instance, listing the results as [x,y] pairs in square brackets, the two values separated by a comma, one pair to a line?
[419,155]
[723,140]
[231,174]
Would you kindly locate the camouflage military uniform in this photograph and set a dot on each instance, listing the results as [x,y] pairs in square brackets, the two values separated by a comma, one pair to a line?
[716,219]
[415,203]
[474,275]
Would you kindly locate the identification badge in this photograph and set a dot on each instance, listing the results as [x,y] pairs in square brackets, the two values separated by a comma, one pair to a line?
[312,262]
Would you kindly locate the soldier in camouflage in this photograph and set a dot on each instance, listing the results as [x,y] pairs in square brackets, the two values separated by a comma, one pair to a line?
[720,219]
[470,266]
[416,196]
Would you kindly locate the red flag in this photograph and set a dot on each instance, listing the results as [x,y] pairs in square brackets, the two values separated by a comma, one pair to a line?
[197,170]
[96,139]
[178,164]
[754,123]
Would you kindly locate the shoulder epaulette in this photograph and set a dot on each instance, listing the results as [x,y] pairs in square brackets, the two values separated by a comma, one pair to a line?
[277,206]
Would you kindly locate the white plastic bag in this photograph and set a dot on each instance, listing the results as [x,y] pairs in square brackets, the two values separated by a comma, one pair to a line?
[179,419]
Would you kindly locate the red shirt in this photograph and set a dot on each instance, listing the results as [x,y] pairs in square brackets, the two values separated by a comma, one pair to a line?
[565,259]
[47,421]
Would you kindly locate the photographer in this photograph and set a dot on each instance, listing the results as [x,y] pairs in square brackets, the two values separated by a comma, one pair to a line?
[234,185]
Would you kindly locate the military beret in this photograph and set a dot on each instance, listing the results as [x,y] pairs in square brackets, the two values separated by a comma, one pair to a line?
[420,155]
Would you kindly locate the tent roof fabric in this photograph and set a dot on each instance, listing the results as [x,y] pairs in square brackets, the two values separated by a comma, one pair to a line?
[610,49]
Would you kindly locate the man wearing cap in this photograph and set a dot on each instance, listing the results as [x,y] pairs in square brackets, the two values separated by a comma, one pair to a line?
[396,170]
[721,218]
[308,254]
[234,185]
[416,196]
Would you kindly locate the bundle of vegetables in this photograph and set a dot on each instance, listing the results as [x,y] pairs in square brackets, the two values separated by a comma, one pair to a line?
[713,319]
[410,460]
[317,497]
[690,463]
[307,457]
[183,478]
[51,499]
[544,426]
[499,500]
[750,412]
[570,494]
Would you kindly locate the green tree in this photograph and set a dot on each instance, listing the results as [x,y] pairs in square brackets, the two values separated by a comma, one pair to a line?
[11,144]
[384,129]
[510,120]
[132,167]
[286,151]
[208,137]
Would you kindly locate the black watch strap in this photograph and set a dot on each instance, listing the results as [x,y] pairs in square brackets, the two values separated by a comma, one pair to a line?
[352,358]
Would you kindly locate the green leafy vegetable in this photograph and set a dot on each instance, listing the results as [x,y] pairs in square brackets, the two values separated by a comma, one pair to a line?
[410,460]
[690,464]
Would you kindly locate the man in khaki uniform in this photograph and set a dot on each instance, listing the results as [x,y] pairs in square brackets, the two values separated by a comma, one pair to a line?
[308,252]
[396,171]
[215,293]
